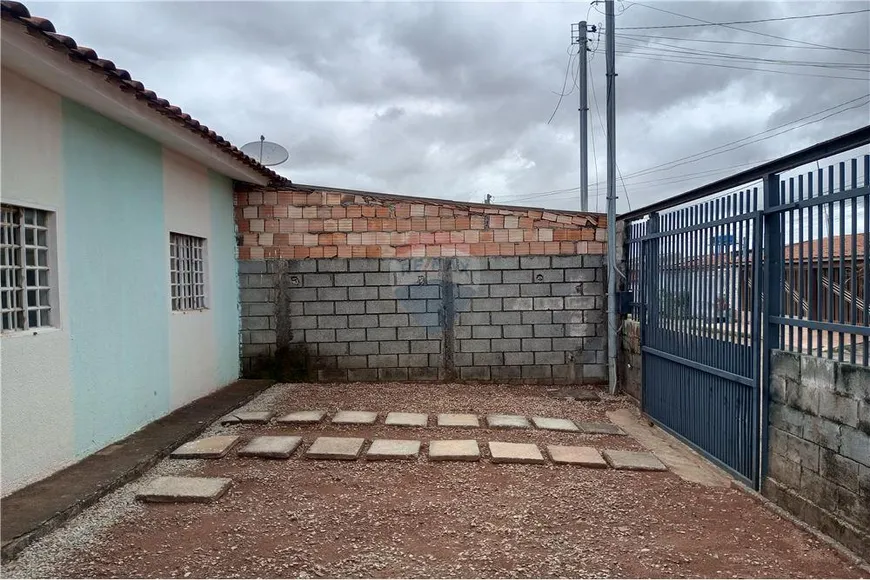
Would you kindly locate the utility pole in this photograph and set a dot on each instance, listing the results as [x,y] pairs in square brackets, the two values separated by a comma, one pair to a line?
[609,22]
[578,36]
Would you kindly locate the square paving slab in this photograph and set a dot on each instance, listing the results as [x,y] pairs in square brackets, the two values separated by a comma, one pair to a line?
[570,455]
[457,420]
[507,422]
[354,418]
[600,429]
[393,449]
[407,419]
[515,452]
[633,460]
[184,489]
[302,417]
[271,447]
[454,450]
[206,448]
[335,448]
[554,424]
[248,417]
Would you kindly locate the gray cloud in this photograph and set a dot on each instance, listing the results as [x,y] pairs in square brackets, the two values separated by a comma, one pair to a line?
[452,99]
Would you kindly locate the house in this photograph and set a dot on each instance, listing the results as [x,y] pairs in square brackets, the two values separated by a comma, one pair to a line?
[117,252]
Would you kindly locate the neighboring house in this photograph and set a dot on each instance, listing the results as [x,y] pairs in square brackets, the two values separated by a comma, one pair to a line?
[117,252]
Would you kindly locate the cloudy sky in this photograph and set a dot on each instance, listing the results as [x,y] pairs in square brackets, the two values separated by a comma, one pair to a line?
[452,99]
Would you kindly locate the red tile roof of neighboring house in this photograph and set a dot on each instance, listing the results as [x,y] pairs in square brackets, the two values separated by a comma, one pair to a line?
[41,27]
[823,249]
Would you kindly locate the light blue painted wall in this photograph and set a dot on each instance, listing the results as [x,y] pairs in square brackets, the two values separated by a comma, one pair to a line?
[225,279]
[118,283]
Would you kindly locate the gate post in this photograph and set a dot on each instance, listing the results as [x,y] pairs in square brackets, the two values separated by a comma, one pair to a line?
[649,286]
[772,303]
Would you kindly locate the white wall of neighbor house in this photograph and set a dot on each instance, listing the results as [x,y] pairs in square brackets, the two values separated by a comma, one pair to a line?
[36,402]
[192,345]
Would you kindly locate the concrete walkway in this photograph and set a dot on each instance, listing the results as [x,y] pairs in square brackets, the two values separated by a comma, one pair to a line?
[32,512]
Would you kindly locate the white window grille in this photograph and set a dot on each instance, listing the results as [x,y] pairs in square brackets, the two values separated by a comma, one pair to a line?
[24,271]
[187,271]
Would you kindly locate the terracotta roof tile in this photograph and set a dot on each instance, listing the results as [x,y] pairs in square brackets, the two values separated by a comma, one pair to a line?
[18,12]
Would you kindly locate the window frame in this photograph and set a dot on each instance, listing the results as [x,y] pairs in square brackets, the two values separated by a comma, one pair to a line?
[191,292]
[43,266]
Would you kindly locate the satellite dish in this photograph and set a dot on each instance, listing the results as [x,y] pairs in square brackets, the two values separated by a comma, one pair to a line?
[266,152]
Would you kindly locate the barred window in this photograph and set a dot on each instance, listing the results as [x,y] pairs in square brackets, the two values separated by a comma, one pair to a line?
[187,271]
[24,270]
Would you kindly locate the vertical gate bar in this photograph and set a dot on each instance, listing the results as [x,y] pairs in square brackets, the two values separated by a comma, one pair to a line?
[830,313]
[800,276]
[741,275]
[866,259]
[841,300]
[684,281]
[773,254]
[789,260]
[707,283]
[811,297]
[820,270]
[853,278]
[729,236]
[786,264]
[696,283]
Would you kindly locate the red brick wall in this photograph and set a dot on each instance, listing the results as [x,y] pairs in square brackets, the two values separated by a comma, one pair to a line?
[306,223]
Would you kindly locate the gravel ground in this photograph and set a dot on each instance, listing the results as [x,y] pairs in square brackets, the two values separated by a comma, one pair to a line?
[302,518]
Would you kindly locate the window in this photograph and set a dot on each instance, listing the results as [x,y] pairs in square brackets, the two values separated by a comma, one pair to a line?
[187,271]
[24,271]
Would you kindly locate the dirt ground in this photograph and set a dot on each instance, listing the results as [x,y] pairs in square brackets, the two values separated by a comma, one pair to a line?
[303,518]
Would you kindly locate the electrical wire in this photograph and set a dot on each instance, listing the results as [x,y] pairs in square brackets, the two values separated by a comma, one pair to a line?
[667,166]
[726,25]
[741,21]
[712,41]
[642,56]
[700,53]
[562,93]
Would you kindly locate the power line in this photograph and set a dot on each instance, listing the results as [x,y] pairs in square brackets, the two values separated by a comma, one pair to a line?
[725,25]
[562,93]
[740,21]
[642,56]
[696,53]
[666,167]
[709,40]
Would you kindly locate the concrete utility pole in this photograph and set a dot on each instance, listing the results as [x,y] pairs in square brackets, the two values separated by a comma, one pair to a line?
[580,39]
[609,22]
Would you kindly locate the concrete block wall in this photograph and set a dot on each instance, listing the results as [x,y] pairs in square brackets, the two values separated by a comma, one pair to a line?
[630,359]
[530,319]
[819,445]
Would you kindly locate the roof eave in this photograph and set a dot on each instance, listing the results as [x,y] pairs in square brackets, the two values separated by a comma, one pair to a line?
[27,55]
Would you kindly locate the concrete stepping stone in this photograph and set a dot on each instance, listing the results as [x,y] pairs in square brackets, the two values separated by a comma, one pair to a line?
[571,455]
[407,419]
[354,418]
[302,417]
[184,489]
[393,449]
[271,447]
[206,448]
[248,417]
[600,429]
[454,450]
[633,460]
[457,420]
[507,422]
[552,424]
[515,452]
[347,448]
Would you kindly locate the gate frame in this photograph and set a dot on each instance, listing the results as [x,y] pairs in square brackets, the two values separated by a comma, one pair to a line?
[767,267]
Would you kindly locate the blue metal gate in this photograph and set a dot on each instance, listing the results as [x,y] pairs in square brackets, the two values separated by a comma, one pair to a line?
[724,274]
[700,366]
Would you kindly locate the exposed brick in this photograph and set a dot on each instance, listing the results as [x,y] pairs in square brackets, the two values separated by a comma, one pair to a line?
[534,262]
[537,317]
[362,293]
[425,346]
[367,347]
[348,307]
[517,303]
[315,308]
[332,349]
[375,333]
[549,303]
[486,304]
[537,371]
[383,360]
[391,374]
[549,330]
[506,317]
[537,344]
[534,290]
